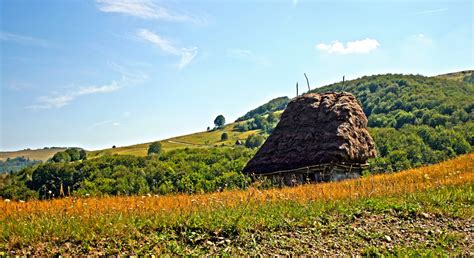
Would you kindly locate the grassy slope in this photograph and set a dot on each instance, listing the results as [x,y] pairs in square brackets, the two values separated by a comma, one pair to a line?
[195,140]
[456,76]
[39,154]
[427,210]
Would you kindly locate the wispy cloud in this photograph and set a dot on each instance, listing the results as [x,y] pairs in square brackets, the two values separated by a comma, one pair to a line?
[431,11]
[24,40]
[61,99]
[145,9]
[247,55]
[103,123]
[363,46]
[186,54]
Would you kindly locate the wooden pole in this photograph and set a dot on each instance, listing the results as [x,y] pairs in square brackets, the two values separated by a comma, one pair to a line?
[296,89]
[343,80]
[307,81]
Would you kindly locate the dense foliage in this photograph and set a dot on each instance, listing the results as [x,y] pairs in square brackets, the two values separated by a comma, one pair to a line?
[16,164]
[154,148]
[272,106]
[264,123]
[186,170]
[254,141]
[70,154]
[414,120]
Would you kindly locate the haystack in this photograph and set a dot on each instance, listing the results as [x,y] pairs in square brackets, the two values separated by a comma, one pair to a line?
[316,129]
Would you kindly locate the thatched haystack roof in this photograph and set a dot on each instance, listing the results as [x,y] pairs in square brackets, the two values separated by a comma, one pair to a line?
[316,129]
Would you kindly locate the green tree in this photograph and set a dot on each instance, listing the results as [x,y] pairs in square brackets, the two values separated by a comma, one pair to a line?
[74,153]
[154,148]
[272,118]
[61,156]
[254,141]
[219,121]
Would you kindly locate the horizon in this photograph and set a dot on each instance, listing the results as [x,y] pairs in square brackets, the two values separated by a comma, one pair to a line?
[128,72]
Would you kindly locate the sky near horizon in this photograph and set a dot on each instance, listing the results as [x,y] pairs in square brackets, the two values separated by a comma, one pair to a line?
[98,73]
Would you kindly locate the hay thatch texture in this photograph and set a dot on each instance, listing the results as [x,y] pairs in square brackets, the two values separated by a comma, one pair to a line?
[316,129]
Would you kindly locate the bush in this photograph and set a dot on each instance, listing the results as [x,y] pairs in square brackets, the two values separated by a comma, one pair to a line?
[254,141]
[224,137]
[154,148]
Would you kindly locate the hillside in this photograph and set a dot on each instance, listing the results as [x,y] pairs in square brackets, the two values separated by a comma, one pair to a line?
[463,76]
[424,211]
[203,139]
[391,100]
[206,139]
[37,154]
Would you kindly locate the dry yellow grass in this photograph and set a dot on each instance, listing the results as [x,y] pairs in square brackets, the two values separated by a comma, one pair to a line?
[453,172]
[40,154]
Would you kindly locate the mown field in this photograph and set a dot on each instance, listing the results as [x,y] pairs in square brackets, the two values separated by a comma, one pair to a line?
[428,210]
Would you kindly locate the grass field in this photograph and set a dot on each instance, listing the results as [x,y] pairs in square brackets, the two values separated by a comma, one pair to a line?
[39,154]
[196,140]
[428,210]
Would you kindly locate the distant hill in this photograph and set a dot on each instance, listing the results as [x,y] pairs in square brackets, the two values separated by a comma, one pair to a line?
[36,154]
[414,120]
[390,101]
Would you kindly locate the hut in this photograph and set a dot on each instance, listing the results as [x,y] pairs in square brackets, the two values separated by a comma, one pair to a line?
[320,137]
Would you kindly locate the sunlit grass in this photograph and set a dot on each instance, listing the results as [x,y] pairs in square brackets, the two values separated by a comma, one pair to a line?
[91,220]
[196,140]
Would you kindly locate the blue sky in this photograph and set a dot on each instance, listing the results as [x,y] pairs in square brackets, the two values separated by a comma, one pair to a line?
[100,73]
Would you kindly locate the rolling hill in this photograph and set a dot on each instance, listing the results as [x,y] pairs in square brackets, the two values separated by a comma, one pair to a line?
[37,154]
[389,101]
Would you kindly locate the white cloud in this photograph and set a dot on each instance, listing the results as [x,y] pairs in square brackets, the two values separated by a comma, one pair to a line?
[431,11]
[25,40]
[186,54]
[101,123]
[247,55]
[144,9]
[363,46]
[61,99]
[58,100]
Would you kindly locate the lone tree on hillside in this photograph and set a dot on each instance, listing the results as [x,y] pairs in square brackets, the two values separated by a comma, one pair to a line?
[219,121]
[154,149]
[224,137]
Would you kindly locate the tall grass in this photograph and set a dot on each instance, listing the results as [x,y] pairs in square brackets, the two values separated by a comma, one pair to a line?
[453,172]
[94,221]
